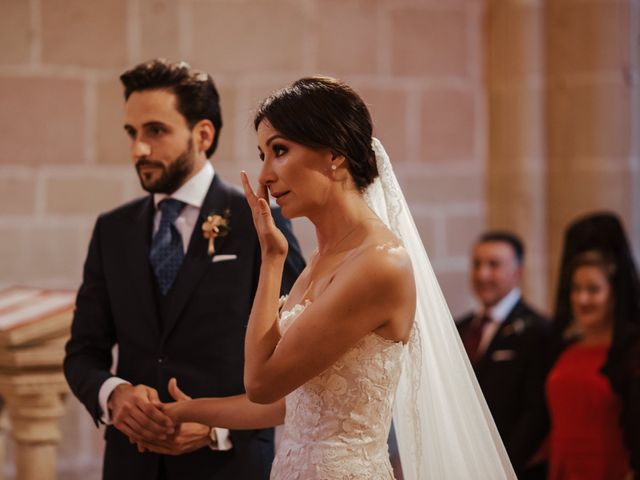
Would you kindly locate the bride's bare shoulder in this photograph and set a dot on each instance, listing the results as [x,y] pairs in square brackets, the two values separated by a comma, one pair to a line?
[384,257]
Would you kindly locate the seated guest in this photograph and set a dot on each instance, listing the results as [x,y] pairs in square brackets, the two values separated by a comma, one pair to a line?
[504,338]
[593,389]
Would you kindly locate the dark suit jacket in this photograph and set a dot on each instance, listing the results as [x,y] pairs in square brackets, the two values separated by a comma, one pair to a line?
[511,374]
[195,333]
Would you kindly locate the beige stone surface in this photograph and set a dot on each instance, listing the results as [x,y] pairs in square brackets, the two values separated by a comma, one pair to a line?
[17,193]
[517,129]
[34,404]
[456,289]
[577,192]
[41,120]
[430,229]
[83,194]
[388,108]
[226,151]
[517,200]
[248,36]
[442,189]
[37,254]
[109,137]
[587,36]
[15,32]
[432,40]
[461,231]
[86,34]
[348,36]
[159,30]
[513,29]
[590,122]
[448,125]
[515,173]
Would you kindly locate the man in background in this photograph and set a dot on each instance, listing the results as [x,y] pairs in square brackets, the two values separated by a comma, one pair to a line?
[170,279]
[505,340]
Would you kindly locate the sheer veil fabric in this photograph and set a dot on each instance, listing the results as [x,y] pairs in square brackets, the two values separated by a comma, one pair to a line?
[443,425]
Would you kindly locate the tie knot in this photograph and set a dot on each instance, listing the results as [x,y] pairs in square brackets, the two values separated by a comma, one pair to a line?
[170,209]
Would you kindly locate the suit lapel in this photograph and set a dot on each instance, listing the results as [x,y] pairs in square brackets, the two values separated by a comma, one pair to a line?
[196,261]
[137,263]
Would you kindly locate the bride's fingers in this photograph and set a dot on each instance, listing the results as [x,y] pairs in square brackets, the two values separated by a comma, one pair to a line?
[263,208]
[248,190]
[264,193]
[175,391]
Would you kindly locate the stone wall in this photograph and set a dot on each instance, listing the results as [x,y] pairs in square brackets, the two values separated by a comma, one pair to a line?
[430,70]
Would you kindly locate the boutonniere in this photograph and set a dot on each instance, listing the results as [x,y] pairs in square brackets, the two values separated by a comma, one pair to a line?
[517,327]
[215,226]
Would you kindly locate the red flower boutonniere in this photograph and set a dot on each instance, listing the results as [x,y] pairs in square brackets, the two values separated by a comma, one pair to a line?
[215,226]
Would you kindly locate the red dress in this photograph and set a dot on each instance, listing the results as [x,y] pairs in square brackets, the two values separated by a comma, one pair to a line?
[586,438]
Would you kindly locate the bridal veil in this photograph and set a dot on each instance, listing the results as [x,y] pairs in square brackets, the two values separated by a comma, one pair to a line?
[443,425]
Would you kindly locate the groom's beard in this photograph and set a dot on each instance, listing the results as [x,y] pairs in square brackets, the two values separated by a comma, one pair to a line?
[172,176]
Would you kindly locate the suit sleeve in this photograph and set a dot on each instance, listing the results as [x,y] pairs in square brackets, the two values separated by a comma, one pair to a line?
[295,261]
[88,356]
[532,426]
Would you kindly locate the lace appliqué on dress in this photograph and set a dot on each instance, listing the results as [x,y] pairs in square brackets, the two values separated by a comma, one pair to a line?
[337,424]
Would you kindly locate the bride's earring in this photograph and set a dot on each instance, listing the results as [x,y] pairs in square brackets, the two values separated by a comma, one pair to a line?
[333,168]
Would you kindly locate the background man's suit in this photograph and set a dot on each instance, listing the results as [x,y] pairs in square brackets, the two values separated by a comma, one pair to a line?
[511,373]
[195,333]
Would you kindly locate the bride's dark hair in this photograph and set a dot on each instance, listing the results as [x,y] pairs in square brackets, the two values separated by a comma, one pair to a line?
[322,112]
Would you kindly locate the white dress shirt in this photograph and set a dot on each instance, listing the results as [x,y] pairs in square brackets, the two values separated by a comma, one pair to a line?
[192,193]
[498,314]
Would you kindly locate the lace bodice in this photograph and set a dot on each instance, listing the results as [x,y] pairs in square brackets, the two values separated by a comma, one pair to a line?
[337,424]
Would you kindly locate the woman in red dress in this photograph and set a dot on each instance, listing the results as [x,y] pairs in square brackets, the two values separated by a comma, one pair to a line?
[593,392]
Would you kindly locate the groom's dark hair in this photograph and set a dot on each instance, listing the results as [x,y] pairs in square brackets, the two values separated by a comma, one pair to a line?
[325,113]
[196,95]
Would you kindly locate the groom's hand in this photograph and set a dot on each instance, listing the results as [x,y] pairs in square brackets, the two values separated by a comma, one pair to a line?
[187,438]
[135,411]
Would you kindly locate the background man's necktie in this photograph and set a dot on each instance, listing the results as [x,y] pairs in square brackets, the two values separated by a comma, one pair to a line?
[473,337]
[167,252]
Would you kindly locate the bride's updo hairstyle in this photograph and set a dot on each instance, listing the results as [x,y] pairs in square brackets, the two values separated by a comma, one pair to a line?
[324,113]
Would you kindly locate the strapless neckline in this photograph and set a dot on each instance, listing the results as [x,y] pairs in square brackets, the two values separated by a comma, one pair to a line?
[288,316]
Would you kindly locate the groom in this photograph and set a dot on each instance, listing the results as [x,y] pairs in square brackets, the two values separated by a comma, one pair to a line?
[169,279]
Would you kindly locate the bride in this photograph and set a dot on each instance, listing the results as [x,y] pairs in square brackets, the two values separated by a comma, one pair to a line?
[363,323]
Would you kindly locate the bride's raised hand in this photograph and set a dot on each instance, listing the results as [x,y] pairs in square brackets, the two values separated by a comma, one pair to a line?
[272,241]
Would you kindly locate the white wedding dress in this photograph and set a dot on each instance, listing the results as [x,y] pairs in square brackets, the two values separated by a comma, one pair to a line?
[337,424]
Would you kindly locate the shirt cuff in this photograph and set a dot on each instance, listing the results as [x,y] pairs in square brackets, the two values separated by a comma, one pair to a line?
[222,442]
[103,397]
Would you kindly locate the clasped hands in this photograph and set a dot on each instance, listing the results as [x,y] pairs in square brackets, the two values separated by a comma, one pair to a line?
[138,413]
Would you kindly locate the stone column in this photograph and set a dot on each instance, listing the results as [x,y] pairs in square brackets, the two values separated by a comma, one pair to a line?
[35,405]
[592,129]
[516,166]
